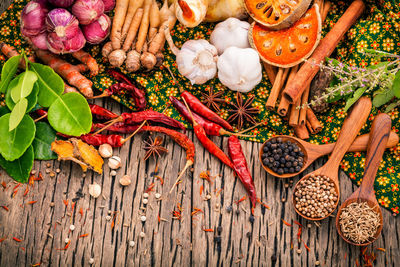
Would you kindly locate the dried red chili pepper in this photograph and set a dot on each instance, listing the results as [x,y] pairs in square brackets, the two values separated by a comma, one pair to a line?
[102,113]
[41,112]
[240,166]
[199,108]
[5,207]
[286,223]
[139,96]
[150,115]
[119,76]
[17,239]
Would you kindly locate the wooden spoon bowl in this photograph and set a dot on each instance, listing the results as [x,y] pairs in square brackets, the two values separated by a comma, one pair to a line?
[349,130]
[313,151]
[365,193]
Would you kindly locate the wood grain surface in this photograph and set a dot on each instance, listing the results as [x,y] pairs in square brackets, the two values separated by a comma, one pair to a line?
[43,227]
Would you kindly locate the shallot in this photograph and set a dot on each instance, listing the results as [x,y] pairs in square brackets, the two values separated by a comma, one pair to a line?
[61,45]
[33,18]
[39,41]
[87,11]
[108,5]
[97,31]
[61,3]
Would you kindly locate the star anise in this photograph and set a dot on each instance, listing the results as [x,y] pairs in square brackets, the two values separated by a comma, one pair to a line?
[154,147]
[212,99]
[242,113]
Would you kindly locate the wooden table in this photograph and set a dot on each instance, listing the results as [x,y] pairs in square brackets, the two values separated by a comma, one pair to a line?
[112,221]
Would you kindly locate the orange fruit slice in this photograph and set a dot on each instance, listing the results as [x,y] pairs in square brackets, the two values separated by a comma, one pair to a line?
[276,14]
[289,47]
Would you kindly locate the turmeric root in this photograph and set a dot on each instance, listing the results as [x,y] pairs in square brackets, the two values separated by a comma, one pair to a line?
[70,73]
[133,29]
[69,89]
[88,60]
[10,52]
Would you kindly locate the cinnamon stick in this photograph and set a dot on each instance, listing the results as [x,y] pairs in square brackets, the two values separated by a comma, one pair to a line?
[327,6]
[294,114]
[313,124]
[303,108]
[271,72]
[301,132]
[325,48]
[284,104]
[276,88]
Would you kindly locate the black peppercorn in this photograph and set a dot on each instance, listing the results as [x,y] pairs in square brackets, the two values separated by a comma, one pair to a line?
[280,171]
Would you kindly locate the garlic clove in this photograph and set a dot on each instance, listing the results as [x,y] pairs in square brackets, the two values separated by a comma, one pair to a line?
[106,150]
[95,190]
[114,162]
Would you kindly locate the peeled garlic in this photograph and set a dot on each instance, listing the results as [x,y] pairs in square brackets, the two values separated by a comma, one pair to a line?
[106,150]
[197,59]
[239,69]
[114,162]
[231,32]
[94,190]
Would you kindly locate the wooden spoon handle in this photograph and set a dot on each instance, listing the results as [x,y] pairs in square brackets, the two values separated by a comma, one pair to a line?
[376,147]
[352,125]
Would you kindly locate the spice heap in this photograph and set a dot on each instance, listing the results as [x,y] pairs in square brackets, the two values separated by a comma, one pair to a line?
[282,157]
[359,222]
[316,196]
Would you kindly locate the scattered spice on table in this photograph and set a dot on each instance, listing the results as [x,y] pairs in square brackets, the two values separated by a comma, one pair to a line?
[208,230]
[84,235]
[316,196]
[201,189]
[66,246]
[4,185]
[286,223]
[17,239]
[65,201]
[5,207]
[31,202]
[359,222]
[3,238]
[150,188]
[282,157]
[206,176]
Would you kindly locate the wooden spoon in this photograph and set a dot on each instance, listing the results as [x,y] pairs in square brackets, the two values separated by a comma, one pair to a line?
[313,151]
[365,193]
[350,128]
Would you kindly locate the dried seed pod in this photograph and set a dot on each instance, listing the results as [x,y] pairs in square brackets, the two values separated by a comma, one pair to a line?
[94,190]
[114,162]
[106,150]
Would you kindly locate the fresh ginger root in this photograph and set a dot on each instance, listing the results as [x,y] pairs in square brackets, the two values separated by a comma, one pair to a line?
[72,74]
[107,49]
[133,61]
[117,57]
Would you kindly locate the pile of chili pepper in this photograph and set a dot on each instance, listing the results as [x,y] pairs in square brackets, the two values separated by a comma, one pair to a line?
[125,85]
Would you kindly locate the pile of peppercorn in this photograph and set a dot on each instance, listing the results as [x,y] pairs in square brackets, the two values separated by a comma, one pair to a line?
[282,157]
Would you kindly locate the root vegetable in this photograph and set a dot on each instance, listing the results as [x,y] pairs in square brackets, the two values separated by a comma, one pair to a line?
[158,41]
[117,57]
[69,89]
[144,26]
[69,72]
[148,60]
[133,29]
[133,61]
[134,5]
[160,58]
[119,18]
[107,49]
[88,60]
[155,20]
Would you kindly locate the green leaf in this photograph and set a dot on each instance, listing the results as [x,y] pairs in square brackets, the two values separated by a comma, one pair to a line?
[70,114]
[24,86]
[8,72]
[396,85]
[32,98]
[391,106]
[377,52]
[17,113]
[382,98]
[357,94]
[20,168]
[44,136]
[50,83]
[14,143]
[4,110]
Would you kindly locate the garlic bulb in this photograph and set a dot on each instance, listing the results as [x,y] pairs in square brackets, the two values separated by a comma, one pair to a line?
[231,32]
[239,69]
[197,59]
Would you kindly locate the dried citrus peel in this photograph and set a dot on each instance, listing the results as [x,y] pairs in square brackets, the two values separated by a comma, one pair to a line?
[289,47]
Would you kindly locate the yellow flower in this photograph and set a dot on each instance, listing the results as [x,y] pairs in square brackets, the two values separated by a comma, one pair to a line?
[362,45]
[384,201]
[388,44]
[172,91]
[276,120]
[105,82]
[383,180]
[5,31]
[374,28]
[153,99]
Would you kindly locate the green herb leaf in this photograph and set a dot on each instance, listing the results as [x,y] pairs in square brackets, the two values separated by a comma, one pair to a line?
[383,97]
[17,113]
[45,135]
[8,72]
[14,143]
[377,53]
[70,114]
[391,106]
[20,168]
[396,85]
[50,83]
[24,86]
[357,94]
[32,98]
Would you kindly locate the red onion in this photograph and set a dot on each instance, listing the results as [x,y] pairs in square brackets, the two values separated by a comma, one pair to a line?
[97,31]
[59,45]
[62,3]
[62,23]
[33,18]
[39,41]
[88,11]
[108,5]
